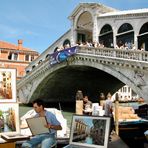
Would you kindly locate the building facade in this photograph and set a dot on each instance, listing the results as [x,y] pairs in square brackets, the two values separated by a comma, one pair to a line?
[125,94]
[16,56]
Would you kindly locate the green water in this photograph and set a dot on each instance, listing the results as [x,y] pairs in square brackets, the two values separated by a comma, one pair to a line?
[66,114]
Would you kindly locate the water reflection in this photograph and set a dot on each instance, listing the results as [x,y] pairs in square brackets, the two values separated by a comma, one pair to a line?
[88,140]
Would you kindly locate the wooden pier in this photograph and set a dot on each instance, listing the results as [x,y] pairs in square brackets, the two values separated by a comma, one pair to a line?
[116,142]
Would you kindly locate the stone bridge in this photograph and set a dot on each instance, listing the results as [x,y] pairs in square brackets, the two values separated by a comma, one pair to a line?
[92,70]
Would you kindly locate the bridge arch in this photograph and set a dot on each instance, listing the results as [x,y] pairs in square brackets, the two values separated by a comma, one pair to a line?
[46,89]
[93,75]
[111,70]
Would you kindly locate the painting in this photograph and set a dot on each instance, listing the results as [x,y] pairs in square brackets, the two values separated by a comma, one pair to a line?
[7,85]
[9,118]
[90,131]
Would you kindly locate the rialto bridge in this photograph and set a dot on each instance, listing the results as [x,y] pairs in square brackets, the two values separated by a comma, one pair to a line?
[92,70]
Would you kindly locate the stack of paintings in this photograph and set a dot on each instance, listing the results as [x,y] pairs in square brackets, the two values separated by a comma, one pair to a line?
[9,107]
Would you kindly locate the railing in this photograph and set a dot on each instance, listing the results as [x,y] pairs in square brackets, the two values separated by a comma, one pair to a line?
[115,53]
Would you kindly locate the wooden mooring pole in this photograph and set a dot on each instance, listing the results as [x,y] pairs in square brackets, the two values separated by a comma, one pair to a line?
[117,114]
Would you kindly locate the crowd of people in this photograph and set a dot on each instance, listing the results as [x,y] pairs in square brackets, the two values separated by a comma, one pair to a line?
[120,45]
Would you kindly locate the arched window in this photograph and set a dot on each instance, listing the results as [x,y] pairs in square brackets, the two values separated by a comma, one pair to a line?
[40,62]
[47,56]
[125,27]
[33,66]
[55,49]
[142,38]
[84,27]
[106,36]
[27,71]
[125,35]
[66,43]
[106,29]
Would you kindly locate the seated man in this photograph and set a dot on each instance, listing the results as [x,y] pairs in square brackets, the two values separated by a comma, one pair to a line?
[48,139]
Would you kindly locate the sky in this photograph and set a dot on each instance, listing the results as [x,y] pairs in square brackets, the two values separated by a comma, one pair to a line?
[39,23]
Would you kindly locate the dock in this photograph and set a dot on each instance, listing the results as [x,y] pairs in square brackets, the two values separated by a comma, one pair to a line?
[116,142]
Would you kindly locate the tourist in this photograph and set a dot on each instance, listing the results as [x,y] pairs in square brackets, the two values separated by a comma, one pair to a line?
[87,106]
[48,139]
[108,107]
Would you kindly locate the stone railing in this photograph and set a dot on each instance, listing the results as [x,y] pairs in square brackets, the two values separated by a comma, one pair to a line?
[141,56]
[115,53]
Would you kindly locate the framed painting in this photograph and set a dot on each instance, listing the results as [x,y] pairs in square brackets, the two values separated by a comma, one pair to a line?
[90,131]
[7,85]
[9,118]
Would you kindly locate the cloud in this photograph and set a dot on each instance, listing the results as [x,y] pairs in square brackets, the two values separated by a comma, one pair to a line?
[10,32]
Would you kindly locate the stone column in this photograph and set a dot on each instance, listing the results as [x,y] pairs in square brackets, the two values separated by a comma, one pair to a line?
[114,37]
[136,39]
[73,33]
[95,29]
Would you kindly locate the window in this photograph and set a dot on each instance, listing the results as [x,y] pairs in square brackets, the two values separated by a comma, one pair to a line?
[27,57]
[10,56]
[15,56]
[33,66]
[40,62]
[66,44]
[125,27]
[27,71]
[32,58]
[47,56]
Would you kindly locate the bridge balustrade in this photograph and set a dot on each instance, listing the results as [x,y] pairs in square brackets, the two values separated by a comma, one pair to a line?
[115,53]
